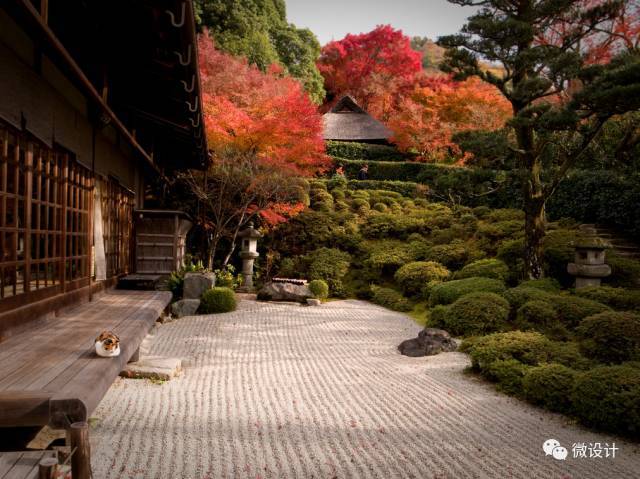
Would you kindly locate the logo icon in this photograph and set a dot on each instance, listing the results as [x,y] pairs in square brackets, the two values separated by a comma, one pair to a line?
[553,448]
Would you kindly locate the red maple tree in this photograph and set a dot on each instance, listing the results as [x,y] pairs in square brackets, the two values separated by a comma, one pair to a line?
[266,113]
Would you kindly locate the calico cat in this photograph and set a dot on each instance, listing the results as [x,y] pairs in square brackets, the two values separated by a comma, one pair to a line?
[107,345]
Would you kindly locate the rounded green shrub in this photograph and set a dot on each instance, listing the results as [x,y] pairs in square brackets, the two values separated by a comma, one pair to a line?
[381,207]
[625,272]
[572,310]
[545,284]
[550,386]
[477,314]
[413,276]
[390,298]
[453,254]
[337,181]
[327,263]
[617,298]
[506,214]
[218,300]
[338,195]
[485,268]
[448,292]
[360,204]
[568,354]
[438,317]
[520,295]
[508,373]
[540,316]
[319,289]
[526,347]
[608,397]
[341,206]
[611,337]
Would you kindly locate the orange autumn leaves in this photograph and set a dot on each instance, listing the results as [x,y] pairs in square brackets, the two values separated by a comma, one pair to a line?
[267,113]
[427,119]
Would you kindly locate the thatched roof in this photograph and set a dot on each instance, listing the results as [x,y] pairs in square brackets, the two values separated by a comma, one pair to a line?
[347,121]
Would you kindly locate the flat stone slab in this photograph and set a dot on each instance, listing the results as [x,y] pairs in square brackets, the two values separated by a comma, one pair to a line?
[153,367]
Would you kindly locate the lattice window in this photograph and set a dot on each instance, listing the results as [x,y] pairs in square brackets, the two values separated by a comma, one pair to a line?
[117,216]
[45,222]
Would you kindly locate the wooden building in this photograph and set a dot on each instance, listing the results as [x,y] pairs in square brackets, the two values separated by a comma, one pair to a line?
[98,99]
[347,121]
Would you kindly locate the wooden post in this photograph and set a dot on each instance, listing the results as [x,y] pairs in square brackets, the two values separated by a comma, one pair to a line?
[81,459]
[135,356]
[28,197]
[48,468]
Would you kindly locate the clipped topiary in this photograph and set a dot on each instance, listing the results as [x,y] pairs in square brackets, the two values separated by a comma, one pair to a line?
[450,291]
[485,268]
[319,289]
[477,314]
[545,284]
[412,277]
[572,310]
[617,298]
[438,317]
[381,207]
[390,298]
[540,316]
[508,373]
[520,295]
[218,300]
[327,263]
[550,386]
[527,347]
[611,337]
[608,397]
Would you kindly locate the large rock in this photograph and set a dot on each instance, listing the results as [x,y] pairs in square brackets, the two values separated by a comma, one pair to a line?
[430,341]
[197,283]
[185,307]
[285,292]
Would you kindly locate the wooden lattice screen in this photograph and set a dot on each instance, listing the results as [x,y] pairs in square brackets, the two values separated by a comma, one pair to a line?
[45,221]
[117,222]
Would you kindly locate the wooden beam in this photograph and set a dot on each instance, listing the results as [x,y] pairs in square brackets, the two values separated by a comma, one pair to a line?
[24,408]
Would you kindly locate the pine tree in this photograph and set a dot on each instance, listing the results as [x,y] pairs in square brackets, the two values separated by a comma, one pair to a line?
[560,101]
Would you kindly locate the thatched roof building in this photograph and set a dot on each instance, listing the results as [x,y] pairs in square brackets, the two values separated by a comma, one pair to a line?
[347,121]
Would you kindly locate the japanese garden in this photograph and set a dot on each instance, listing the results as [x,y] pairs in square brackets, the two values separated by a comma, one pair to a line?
[233,249]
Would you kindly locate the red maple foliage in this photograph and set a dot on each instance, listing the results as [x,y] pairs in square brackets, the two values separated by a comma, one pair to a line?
[373,67]
[440,107]
[267,113]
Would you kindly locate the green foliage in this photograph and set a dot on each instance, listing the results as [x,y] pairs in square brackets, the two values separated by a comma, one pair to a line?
[327,264]
[477,314]
[390,298]
[490,149]
[522,294]
[363,151]
[526,347]
[512,253]
[218,300]
[438,317]
[611,337]
[381,207]
[450,291]
[625,272]
[571,310]
[559,250]
[541,316]
[412,277]
[545,284]
[550,386]
[225,277]
[485,268]
[508,373]
[608,398]
[319,289]
[388,261]
[454,254]
[175,283]
[405,188]
[389,225]
[617,298]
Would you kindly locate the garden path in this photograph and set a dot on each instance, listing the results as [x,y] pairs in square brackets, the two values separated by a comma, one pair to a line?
[284,391]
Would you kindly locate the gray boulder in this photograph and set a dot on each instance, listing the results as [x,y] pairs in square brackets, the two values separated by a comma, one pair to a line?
[285,292]
[197,283]
[185,307]
[430,341]
[313,302]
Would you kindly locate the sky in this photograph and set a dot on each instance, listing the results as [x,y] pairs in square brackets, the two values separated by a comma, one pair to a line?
[333,19]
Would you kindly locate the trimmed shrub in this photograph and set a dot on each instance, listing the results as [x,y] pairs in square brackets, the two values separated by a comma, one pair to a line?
[438,317]
[558,251]
[545,284]
[381,207]
[625,272]
[337,288]
[405,188]
[617,298]
[526,347]
[512,253]
[520,295]
[504,214]
[327,263]
[550,386]
[571,310]
[447,293]
[452,255]
[608,397]
[338,194]
[341,206]
[388,261]
[337,182]
[413,276]
[477,314]
[568,354]
[360,204]
[540,316]
[390,298]
[485,268]
[390,225]
[319,288]
[363,151]
[611,337]
[508,374]
[218,300]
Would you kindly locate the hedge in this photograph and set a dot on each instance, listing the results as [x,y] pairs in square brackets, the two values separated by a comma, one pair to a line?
[390,298]
[611,337]
[218,300]
[476,314]
[405,188]
[450,291]
[364,151]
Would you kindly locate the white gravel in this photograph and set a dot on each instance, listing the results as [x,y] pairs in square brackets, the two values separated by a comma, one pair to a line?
[285,391]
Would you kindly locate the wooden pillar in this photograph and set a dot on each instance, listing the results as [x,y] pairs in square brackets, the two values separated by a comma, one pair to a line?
[28,196]
[64,185]
[81,458]
[48,468]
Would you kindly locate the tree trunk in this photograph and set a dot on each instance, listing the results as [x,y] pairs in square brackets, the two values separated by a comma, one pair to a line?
[534,225]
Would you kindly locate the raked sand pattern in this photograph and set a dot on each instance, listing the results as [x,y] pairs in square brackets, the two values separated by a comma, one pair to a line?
[285,391]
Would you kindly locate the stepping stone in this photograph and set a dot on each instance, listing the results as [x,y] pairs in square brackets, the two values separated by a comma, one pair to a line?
[153,367]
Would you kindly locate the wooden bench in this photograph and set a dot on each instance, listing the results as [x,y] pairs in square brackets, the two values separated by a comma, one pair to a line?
[50,374]
[27,464]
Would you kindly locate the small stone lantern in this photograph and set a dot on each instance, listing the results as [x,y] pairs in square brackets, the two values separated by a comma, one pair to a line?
[589,267]
[248,253]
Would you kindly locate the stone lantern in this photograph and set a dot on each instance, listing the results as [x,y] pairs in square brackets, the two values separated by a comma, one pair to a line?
[248,253]
[589,267]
